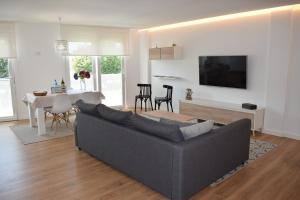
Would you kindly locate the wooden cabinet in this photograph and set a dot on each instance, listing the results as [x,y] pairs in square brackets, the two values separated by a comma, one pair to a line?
[220,112]
[154,54]
[165,53]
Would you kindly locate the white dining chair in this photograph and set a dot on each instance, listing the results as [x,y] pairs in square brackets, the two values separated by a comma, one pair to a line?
[60,109]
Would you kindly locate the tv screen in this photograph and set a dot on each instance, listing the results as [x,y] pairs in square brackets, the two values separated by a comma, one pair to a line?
[224,71]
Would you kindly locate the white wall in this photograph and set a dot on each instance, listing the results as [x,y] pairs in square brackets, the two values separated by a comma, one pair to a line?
[271,42]
[235,37]
[132,72]
[278,64]
[145,71]
[37,63]
[291,118]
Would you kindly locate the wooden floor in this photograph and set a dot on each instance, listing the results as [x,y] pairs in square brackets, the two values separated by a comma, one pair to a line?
[56,170]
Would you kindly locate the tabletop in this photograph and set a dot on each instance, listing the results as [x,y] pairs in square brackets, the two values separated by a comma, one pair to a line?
[46,101]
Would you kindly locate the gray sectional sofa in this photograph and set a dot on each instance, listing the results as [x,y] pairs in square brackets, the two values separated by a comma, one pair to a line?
[177,170]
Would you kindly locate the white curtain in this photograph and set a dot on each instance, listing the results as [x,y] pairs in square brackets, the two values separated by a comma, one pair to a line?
[95,40]
[7,40]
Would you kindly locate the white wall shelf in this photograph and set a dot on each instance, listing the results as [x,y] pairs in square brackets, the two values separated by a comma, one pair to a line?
[166,77]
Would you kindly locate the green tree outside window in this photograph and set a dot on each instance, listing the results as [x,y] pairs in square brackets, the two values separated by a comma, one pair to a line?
[110,65]
[82,63]
[4,73]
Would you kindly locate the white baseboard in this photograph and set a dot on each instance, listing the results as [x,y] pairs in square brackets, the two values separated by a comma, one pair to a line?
[287,135]
[292,136]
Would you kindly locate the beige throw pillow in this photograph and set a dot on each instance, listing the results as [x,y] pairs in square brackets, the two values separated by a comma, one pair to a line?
[197,129]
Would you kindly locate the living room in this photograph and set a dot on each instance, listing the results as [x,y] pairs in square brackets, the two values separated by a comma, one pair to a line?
[93,54]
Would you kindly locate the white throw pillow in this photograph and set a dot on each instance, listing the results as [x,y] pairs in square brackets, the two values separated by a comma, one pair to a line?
[197,129]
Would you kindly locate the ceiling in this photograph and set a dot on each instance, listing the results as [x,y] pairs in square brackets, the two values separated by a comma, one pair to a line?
[126,13]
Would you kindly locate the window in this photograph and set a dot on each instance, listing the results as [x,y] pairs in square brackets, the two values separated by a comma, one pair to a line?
[78,64]
[4,72]
[84,41]
[106,75]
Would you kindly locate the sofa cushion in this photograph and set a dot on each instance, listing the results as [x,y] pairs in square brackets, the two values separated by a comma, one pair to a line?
[169,132]
[197,129]
[180,124]
[113,115]
[87,108]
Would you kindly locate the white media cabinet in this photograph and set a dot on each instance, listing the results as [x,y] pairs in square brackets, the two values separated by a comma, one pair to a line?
[221,112]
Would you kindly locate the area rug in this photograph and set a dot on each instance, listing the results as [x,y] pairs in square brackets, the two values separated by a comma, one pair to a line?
[29,135]
[257,149]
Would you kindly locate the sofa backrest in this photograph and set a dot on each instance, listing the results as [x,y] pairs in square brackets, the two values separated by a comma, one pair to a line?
[145,157]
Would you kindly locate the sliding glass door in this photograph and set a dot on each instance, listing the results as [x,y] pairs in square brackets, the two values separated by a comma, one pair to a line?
[7,111]
[112,80]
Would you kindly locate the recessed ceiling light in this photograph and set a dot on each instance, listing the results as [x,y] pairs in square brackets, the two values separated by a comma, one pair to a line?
[222,18]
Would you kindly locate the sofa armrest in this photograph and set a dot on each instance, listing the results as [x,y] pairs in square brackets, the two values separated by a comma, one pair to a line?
[202,160]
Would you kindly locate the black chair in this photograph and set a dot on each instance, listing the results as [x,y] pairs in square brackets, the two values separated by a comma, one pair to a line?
[144,95]
[167,98]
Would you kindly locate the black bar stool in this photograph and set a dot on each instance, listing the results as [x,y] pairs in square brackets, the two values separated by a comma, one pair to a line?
[167,98]
[144,95]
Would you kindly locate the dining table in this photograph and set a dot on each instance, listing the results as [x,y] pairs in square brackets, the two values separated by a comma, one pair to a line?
[36,105]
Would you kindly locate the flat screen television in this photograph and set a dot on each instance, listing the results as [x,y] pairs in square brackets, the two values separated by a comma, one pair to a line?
[223,71]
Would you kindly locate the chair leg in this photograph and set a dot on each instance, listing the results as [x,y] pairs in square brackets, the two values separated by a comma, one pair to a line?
[53,120]
[167,106]
[65,118]
[154,105]
[68,119]
[56,123]
[135,105]
[146,105]
[171,106]
[151,103]
[158,105]
[141,104]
